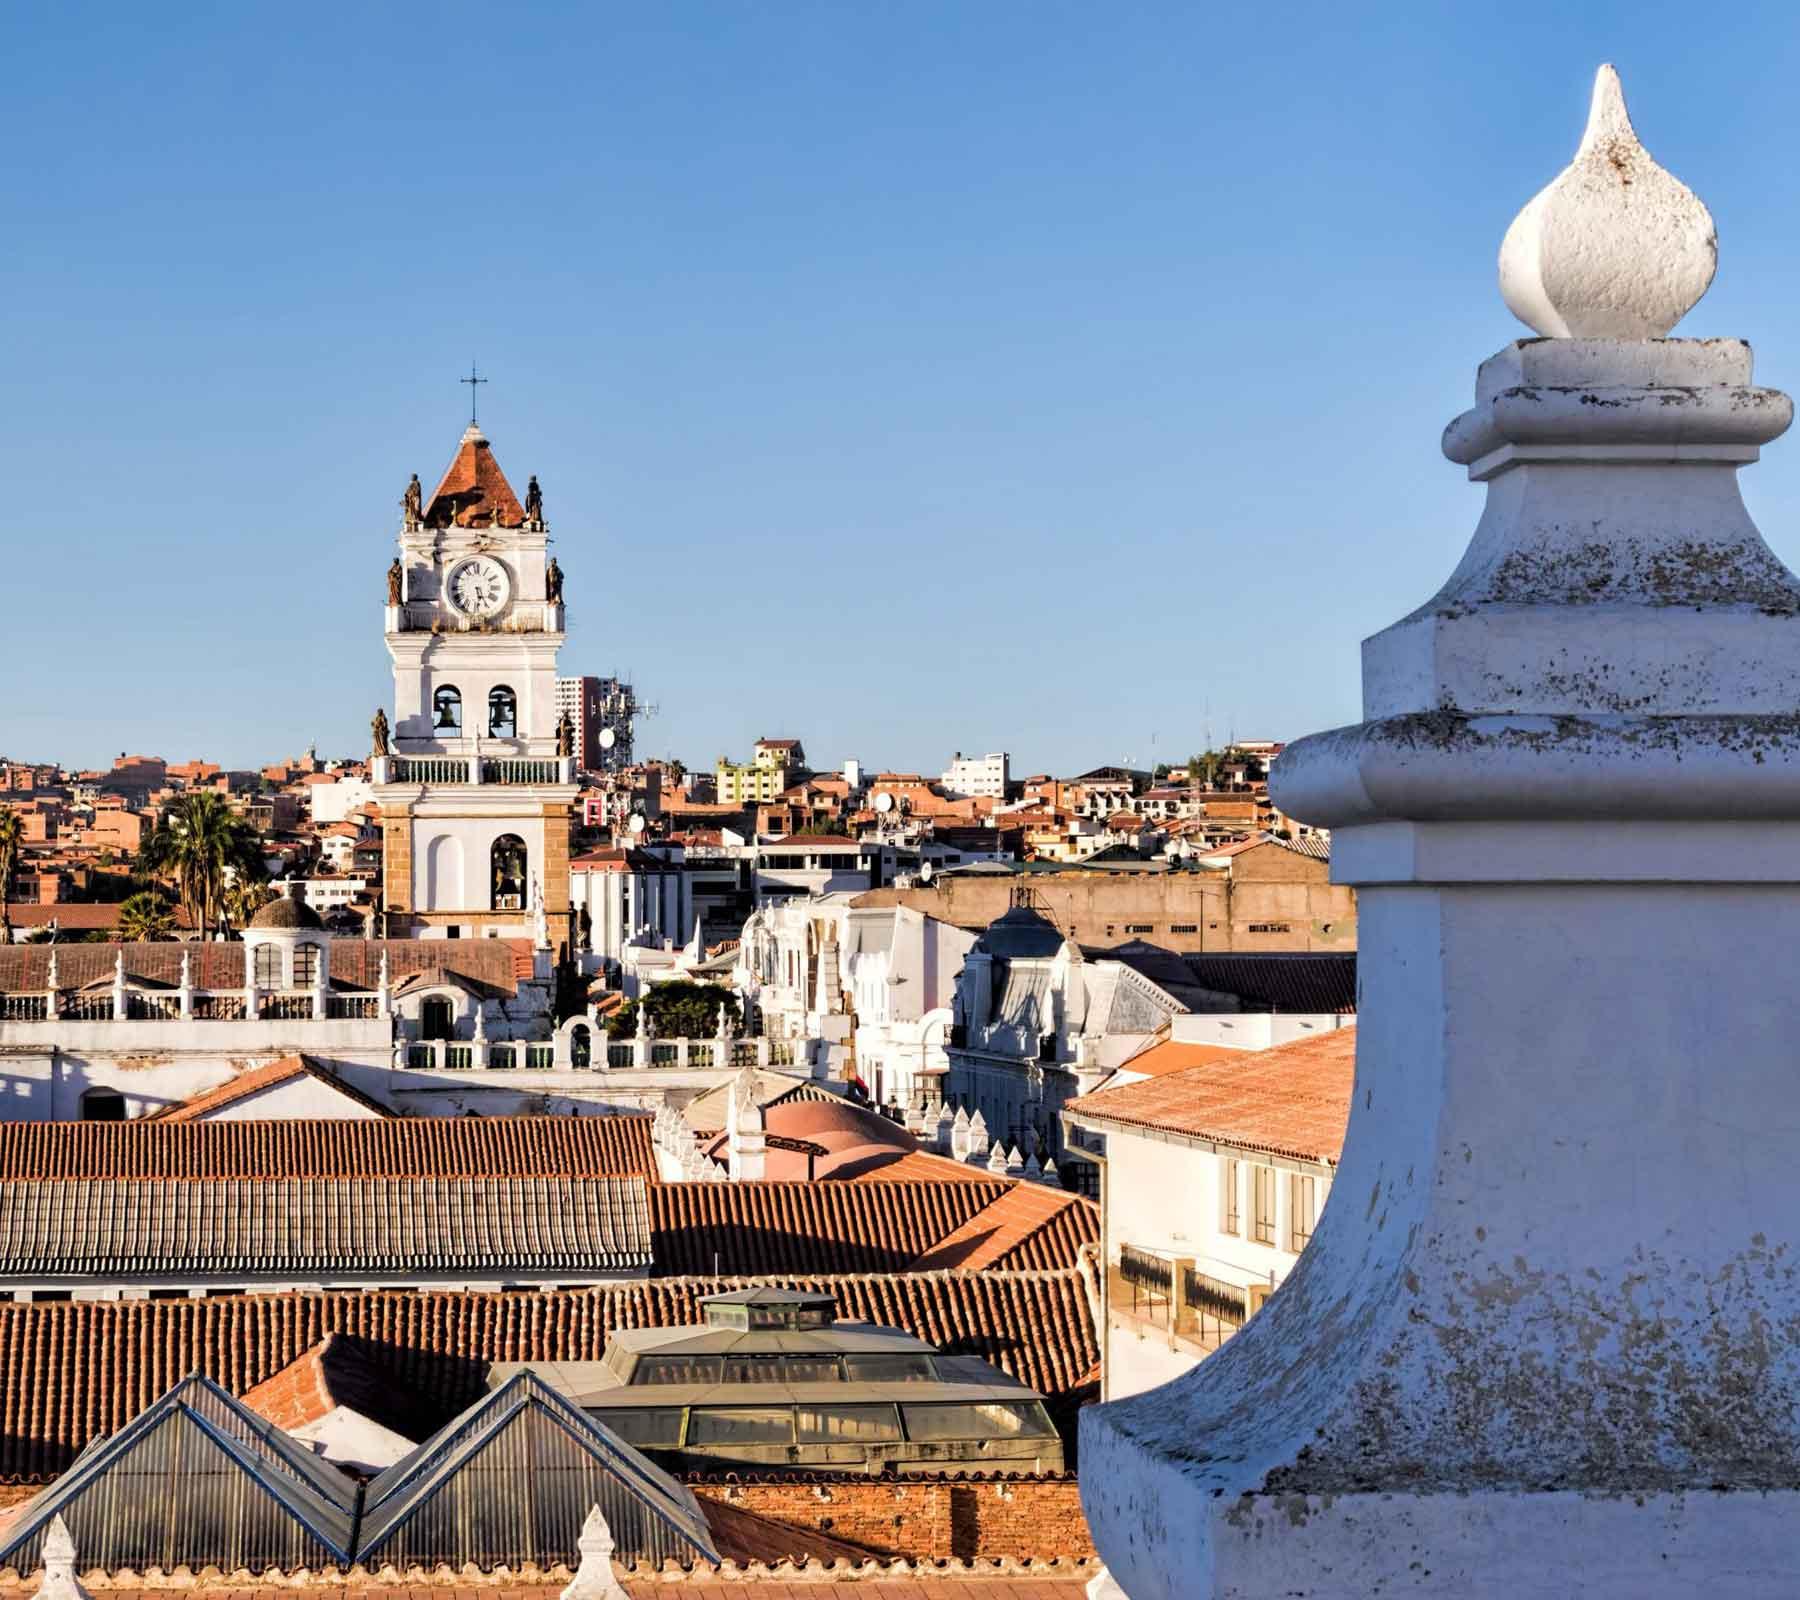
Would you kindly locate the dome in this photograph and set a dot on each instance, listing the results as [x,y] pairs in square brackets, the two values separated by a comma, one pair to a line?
[288,913]
[1021,934]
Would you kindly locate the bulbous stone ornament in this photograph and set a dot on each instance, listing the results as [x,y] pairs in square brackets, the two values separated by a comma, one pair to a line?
[1613,247]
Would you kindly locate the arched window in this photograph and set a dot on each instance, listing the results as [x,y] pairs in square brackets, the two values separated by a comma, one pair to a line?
[268,966]
[503,712]
[102,1105]
[508,860]
[446,710]
[436,1020]
[581,1045]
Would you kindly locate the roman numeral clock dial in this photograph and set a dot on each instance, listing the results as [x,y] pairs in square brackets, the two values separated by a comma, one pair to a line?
[479,587]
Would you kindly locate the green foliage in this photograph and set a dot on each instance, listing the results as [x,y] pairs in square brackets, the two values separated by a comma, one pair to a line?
[680,1010]
[200,847]
[12,834]
[145,918]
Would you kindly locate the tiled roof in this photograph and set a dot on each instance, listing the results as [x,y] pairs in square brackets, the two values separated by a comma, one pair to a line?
[886,1586]
[431,1147]
[340,1370]
[1309,983]
[1168,1055]
[76,916]
[1291,1101]
[807,1227]
[355,963]
[255,1080]
[472,488]
[1028,1227]
[239,1230]
[72,1371]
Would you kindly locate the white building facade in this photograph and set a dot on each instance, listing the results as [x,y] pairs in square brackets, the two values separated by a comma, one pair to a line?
[475,791]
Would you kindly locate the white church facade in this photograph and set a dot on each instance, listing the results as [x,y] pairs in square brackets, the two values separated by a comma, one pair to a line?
[475,776]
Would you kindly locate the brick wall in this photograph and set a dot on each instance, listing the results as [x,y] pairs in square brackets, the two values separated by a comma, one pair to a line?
[924,1518]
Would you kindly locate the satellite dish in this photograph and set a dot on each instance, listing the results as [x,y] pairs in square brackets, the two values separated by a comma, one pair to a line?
[636,824]
[924,872]
[884,803]
[608,738]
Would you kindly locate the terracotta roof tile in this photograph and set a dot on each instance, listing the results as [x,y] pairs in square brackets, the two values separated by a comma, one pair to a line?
[319,1148]
[1027,1227]
[1291,1101]
[354,963]
[807,1227]
[473,488]
[255,1080]
[1171,1056]
[72,1371]
[340,1370]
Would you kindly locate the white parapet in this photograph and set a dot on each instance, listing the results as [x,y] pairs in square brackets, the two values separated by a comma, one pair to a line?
[1546,1339]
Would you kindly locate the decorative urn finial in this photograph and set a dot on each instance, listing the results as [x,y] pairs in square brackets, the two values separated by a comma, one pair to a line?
[1613,247]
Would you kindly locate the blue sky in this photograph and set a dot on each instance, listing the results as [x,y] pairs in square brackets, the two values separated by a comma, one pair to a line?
[904,378]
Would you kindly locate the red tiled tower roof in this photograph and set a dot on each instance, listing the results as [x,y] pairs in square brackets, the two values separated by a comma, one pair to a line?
[474,489]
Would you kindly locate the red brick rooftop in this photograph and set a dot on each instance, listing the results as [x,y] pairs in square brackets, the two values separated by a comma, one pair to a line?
[1291,1101]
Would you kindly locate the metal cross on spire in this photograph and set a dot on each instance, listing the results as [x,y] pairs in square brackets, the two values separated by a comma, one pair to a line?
[472,379]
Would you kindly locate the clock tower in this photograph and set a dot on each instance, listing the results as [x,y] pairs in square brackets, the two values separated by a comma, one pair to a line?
[478,779]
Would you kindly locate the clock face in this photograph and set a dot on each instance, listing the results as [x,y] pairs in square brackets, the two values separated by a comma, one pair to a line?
[479,587]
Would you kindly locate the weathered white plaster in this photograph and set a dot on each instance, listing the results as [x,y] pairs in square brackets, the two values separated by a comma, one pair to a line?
[1613,247]
[1555,1300]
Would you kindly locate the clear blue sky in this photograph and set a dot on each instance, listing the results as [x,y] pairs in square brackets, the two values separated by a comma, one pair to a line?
[902,377]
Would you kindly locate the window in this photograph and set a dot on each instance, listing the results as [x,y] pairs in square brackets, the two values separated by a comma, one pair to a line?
[306,965]
[1302,1209]
[508,865]
[435,1019]
[1231,1209]
[995,1419]
[267,965]
[1262,1204]
[890,1369]
[446,710]
[741,1425]
[503,712]
[676,1369]
[102,1105]
[581,1045]
[781,1369]
[649,1428]
[1140,927]
[1269,927]
[846,1424]
[1184,927]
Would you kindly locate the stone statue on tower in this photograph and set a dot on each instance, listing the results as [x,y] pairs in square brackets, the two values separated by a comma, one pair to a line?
[553,582]
[396,578]
[565,735]
[534,501]
[412,507]
[378,730]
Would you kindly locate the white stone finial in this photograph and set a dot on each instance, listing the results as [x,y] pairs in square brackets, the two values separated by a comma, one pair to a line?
[594,1579]
[1613,247]
[59,1564]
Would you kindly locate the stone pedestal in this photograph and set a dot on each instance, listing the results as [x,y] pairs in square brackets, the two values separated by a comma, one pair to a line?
[1546,1339]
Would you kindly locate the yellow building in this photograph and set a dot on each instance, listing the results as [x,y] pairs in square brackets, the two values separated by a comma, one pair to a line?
[777,764]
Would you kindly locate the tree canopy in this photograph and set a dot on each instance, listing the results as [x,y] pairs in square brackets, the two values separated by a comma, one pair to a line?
[680,1010]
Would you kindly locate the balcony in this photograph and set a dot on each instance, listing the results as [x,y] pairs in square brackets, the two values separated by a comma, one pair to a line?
[474,770]
[526,616]
[1195,1310]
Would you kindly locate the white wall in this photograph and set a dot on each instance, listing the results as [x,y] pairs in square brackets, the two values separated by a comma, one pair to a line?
[333,802]
[1253,1030]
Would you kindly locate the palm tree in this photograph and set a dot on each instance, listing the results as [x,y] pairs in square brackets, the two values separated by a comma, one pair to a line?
[144,917]
[244,898]
[200,846]
[12,832]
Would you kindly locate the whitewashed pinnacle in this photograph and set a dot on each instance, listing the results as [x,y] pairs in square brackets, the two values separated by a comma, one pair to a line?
[1613,247]
[60,1582]
[594,1579]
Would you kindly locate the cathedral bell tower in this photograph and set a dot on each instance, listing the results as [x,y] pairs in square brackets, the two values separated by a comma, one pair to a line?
[476,776]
